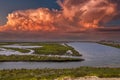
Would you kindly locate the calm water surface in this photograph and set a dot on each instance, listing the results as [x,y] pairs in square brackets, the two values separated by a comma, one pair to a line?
[95,55]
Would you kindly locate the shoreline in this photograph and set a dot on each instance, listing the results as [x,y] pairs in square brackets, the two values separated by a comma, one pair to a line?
[111,44]
[33,58]
[42,60]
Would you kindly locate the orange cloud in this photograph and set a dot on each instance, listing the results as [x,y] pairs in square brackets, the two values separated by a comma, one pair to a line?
[88,13]
[75,15]
[30,20]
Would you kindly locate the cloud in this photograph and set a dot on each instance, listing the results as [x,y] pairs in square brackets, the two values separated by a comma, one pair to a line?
[75,16]
[88,13]
[40,19]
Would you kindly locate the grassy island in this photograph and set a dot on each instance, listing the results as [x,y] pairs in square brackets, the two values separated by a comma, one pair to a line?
[55,49]
[34,58]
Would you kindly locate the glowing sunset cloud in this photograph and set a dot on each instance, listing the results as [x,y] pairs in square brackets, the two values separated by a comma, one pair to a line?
[88,13]
[30,20]
[82,14]
[84,17]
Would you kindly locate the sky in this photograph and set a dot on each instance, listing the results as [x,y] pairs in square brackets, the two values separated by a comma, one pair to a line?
[59,20]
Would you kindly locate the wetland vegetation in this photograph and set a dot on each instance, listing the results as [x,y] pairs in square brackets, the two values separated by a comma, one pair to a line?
[51,74]
[46,49]
[55,49]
